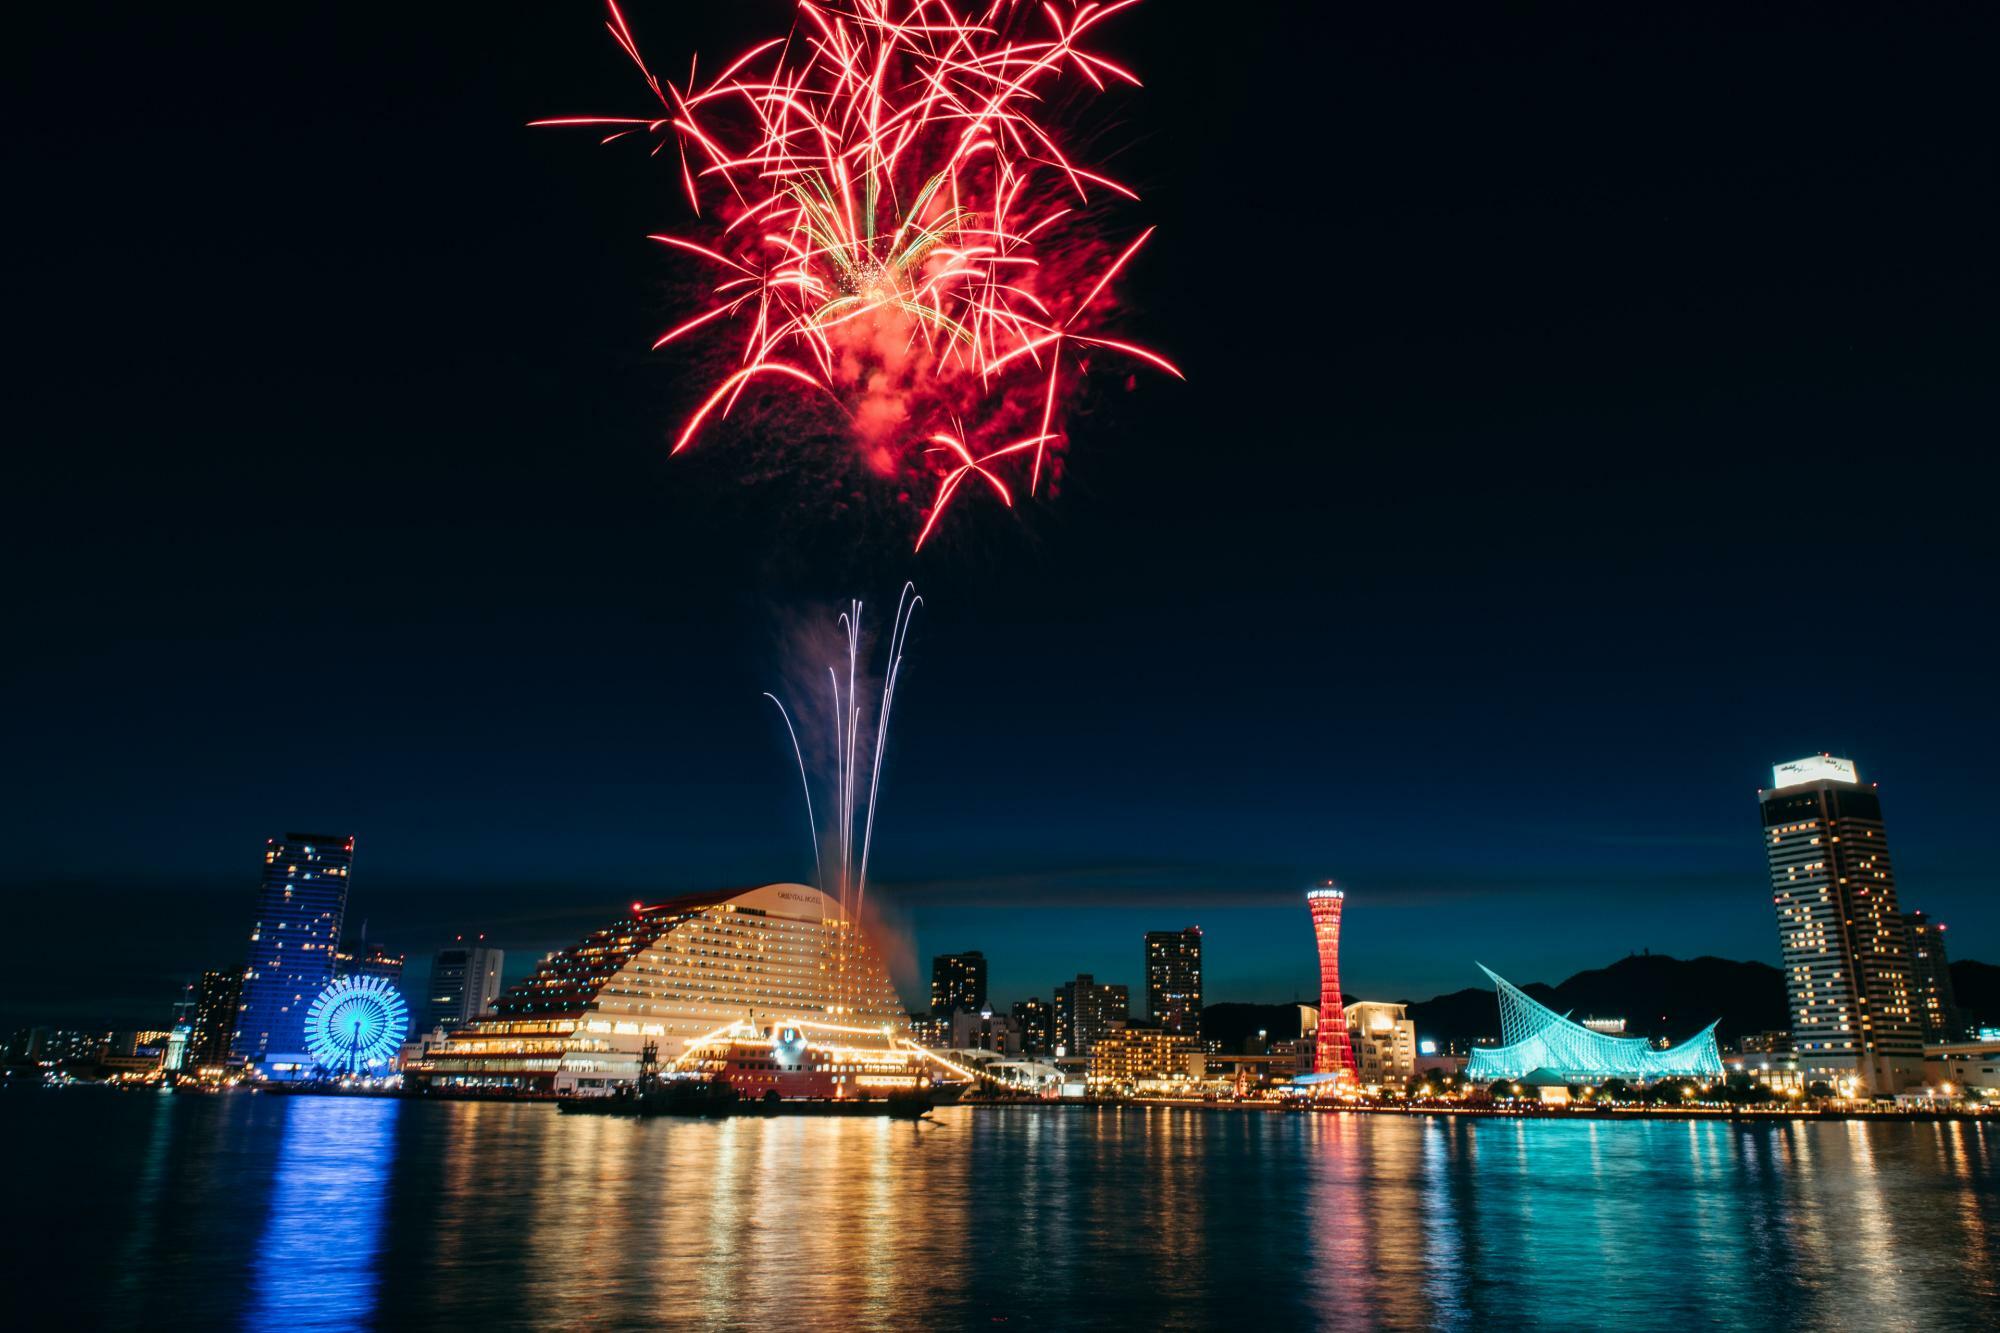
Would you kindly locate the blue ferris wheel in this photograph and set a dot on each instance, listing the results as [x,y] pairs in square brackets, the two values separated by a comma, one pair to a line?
[355,1025]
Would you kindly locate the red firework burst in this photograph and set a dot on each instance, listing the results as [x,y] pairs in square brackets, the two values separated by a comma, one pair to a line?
[897,230]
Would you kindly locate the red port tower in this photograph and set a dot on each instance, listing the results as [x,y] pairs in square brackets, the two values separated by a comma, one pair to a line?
[1332,1053]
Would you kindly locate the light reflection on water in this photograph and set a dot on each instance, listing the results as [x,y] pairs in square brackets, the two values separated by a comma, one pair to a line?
[353,1213]
[317,1264]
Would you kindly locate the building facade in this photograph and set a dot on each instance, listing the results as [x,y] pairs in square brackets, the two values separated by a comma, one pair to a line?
[672,976]
[1333,1054]
[465,982]
[1938,1013]
[1085,1010]
[1037,1021]
[363,959]
[1968,1068]
[985,1031]
[1129,1059]
[1538,1041]
[1848,972]
[218,996]
[1173,979]
[1384,1041]
[301,904]
[958,983]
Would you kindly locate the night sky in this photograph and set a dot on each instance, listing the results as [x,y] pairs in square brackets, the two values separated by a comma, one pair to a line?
[1586,408]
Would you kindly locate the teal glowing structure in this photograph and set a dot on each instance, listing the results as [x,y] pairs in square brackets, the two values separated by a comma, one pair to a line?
[355,1026]
[1538,1039]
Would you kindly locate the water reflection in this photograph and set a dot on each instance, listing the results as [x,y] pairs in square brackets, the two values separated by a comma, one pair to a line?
[316,1262]
[351,1212]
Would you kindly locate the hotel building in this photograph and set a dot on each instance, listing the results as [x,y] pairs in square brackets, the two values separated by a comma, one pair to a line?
[1173,979]
[300,906]
[671,975]
[1848,971]
[1384,1042]
[1129,1059]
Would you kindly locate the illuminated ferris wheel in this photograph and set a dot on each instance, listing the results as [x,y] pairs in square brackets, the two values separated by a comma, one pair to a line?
[356,1025]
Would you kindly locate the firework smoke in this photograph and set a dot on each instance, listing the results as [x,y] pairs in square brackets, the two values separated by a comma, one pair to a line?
[901,252]
[854,722]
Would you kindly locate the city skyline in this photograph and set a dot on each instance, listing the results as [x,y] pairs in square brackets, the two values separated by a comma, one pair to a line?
[911,965]
[998,663]
[1501,563]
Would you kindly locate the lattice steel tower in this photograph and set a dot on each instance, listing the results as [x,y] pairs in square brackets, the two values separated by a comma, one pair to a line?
[1332,1053]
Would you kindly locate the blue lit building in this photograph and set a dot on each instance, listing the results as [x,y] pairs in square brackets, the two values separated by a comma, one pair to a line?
[300,907]
[1538,1040]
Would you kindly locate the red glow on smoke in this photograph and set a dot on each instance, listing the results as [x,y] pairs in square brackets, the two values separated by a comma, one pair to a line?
[899,251]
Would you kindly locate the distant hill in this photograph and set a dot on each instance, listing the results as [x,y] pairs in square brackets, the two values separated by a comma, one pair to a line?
[1234,1024]
[1976,987]
[1656,995]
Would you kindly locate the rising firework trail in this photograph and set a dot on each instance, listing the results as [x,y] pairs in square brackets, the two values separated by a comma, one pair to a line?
[857,737]
[895,236]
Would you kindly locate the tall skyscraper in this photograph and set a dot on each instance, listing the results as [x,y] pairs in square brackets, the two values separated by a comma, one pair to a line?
[1937,1004]
[1846,948]
[1333,1053]
[465,981]
[1085,1010]
[300,907]
[958,983]
[217,998]
[1173,979]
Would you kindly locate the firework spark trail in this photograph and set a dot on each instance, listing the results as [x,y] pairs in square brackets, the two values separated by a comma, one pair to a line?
[805,783]
[897,229]
[856,771]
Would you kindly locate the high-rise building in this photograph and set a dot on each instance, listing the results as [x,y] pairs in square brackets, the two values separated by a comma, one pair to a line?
[1038,1026]
[300,907]
[218,997]
[958,983]
[1333,1054]
[1937,1004]
[1085,1009]
[465,981]
[1173,979]
[1384,1041]
[1846,948]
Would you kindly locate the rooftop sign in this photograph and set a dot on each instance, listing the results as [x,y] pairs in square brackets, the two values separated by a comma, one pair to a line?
[1814,768]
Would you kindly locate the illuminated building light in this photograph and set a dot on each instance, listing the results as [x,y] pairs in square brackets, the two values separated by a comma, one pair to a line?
[294,905]
[1332,1053]
[683,976]
[1536,1039]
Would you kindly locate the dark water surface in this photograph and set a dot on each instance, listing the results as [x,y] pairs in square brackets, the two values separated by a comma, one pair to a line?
[150,1210]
